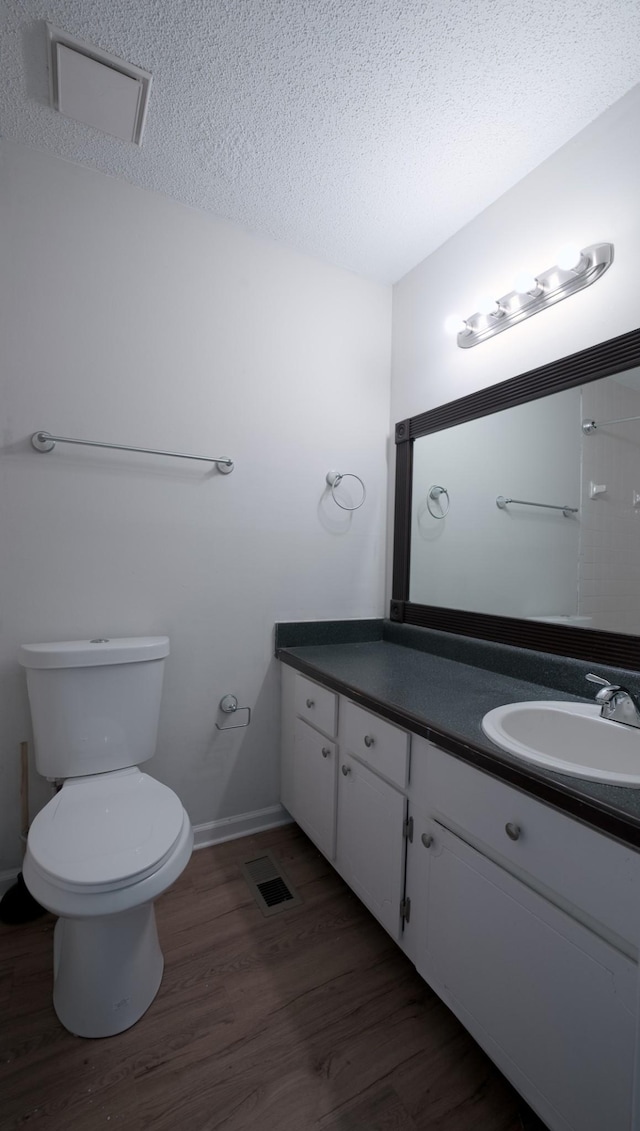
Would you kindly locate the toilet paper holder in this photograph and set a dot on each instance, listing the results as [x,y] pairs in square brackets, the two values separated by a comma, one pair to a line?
[229,705]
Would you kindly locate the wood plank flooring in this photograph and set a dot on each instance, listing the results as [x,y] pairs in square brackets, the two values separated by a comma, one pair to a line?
[311,1020]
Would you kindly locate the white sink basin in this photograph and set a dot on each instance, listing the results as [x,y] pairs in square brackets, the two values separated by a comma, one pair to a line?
[570,738]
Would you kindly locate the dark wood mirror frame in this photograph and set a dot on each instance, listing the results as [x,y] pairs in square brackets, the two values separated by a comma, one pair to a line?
[609,648]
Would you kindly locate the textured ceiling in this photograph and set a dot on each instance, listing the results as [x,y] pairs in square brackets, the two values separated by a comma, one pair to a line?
[362,131]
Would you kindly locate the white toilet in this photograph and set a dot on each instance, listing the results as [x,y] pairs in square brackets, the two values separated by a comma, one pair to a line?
[113,838]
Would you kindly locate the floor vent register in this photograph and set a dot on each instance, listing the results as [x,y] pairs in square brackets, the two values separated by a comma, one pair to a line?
[269,886]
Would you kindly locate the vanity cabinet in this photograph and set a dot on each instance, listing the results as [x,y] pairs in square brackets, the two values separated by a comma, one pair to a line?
[527,926]
[344,786]
[524,921]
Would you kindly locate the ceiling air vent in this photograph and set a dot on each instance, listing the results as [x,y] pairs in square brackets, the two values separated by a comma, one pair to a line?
[96,88]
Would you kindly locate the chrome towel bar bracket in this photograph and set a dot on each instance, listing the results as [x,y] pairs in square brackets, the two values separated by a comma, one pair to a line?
[45,442]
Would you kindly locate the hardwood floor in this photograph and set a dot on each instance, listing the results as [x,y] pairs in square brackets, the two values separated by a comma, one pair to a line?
[311,1020]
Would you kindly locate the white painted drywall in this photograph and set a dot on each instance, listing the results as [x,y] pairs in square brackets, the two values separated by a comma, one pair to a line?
[130,318]
[585,193]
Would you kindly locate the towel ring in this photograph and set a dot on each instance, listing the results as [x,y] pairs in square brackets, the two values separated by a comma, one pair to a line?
[334,478]
[435,494]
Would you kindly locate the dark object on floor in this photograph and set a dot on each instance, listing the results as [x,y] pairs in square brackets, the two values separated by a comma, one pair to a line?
[18,905]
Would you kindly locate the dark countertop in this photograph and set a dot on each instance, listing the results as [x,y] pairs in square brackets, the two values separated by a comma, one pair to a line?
[444,700]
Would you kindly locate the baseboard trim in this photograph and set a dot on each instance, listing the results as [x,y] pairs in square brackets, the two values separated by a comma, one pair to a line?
[8,879]
[230,828]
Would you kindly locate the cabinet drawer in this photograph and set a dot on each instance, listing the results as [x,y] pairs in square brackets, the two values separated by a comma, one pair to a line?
[317,705]
[373,740]
[588,871]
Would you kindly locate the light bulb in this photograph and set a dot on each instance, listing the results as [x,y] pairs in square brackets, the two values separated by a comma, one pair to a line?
[524,283]
[455,324]
[486,304]
[569,257]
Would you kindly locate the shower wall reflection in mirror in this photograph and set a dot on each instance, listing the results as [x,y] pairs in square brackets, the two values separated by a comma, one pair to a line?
[577,567]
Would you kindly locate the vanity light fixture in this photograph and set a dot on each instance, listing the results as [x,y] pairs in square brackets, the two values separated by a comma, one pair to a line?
[575,269]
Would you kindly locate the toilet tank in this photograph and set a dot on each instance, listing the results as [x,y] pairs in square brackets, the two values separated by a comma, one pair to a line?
[94,703]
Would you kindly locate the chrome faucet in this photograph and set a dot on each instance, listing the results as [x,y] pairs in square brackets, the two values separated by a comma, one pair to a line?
[616,702]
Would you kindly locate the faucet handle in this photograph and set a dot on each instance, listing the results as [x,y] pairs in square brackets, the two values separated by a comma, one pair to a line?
[607,690]
[616,703]
[598,679]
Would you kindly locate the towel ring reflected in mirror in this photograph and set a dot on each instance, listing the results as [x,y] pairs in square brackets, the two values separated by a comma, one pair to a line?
[434,495]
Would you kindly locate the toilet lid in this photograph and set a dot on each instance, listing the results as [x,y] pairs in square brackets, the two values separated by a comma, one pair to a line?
[106,829]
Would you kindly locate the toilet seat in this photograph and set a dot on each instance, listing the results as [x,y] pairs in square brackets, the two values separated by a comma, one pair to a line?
[106,832]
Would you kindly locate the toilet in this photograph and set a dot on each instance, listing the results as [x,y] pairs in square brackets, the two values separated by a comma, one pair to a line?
[113,838]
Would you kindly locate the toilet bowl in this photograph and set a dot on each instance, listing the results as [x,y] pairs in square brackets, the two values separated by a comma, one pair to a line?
[109,842]
[97,856]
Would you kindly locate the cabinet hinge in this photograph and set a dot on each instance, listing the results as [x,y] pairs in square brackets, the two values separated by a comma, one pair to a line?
[405,909]
[407,829]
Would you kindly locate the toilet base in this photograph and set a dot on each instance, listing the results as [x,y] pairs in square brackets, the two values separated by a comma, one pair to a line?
[107,971]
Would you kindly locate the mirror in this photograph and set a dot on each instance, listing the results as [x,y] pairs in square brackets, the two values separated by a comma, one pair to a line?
[514,522]
[540,518]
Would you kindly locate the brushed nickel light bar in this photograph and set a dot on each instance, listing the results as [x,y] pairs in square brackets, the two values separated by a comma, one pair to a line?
[579,270]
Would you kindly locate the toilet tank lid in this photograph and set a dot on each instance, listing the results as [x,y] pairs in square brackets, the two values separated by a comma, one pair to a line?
[92,653]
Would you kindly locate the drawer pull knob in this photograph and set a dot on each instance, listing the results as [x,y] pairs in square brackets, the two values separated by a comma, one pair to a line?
[346,770]
[325,751]
[427,840]
[512,831]
[310,703]
[368,741]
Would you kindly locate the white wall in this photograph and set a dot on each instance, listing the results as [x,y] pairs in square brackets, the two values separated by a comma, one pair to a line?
[585,193]
[130,318]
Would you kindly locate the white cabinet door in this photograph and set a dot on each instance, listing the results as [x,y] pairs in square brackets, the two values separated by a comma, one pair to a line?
[312,798]
[550,1002]
[370,848]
